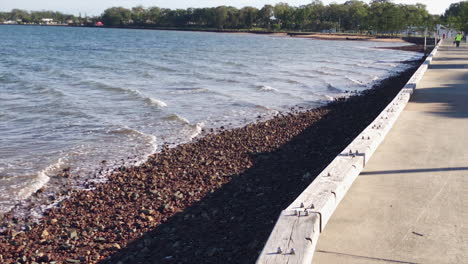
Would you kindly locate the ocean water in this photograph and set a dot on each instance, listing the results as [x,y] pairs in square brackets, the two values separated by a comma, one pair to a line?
[90,99]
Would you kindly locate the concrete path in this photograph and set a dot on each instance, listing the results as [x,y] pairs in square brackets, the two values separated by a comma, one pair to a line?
[410,204]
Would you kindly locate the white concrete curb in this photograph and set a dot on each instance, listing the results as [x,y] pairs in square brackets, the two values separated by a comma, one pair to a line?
[297,230]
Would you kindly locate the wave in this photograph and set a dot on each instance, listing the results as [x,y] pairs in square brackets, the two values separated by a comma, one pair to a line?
[104,86]
[176,117]
[243,74]
[49,91]
[238,64]
[154,66]
[333,89]
[334,70]
[226,80]
[155,102]
[9,77]
[190,90]
[389,62]
[370,66]
[152,142]
[291,81]
[262,107]
[356,81]
[150,139]
[197,129]
[41,179]
[266,88]
[100,67]
[322,72]
[134,92]
[328,97]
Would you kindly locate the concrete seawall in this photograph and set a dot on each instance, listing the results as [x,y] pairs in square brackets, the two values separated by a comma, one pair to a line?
[295,235]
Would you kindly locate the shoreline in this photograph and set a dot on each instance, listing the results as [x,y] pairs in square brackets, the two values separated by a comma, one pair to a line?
[348,37]
[223,184]
[309,35]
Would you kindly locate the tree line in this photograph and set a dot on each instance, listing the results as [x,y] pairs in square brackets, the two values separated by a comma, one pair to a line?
[22,16]
[353,15]
[379,16]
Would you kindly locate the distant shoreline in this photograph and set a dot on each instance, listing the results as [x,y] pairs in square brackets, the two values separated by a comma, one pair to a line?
[417,47]
[309,35]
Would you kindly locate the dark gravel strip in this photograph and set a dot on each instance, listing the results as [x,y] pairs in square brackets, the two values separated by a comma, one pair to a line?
[212,201]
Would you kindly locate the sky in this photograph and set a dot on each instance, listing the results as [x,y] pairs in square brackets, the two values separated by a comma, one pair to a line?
[93,7]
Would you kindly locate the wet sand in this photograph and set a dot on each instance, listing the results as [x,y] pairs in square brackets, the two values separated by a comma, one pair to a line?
[412,48]
[324,36]
[344,37]
[211,201]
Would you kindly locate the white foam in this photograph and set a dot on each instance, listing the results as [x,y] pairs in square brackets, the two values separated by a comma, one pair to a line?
[41,179]
[266,88]
[197,130]
[154,147]
[176,117]
[355,81]
[156,102]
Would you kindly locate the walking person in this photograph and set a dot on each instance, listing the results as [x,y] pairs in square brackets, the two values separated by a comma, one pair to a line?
[458,39]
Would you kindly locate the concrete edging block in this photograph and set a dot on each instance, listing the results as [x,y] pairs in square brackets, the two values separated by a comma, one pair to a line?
[297,230]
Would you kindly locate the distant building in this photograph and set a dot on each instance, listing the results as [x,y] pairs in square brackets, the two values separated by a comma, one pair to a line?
[445,31]
[48,21]
[332,30]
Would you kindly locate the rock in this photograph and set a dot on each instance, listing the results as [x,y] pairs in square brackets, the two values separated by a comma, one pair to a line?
[44,258]
[147,211]
[116,246]
[65,246]
[73,235]
[211,252]
[100,239]
[45,234]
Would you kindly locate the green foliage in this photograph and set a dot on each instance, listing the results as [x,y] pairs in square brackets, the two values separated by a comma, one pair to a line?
[380,16]
[118,16]
[456,16]
[22,16]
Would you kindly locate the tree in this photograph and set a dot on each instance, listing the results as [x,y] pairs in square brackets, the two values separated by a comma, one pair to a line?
[457,16]
[220,16]
[154,15]
[20,15]
[356,18]
[248,16]
[265,15]
[116,16]
[284,15]
[138,15]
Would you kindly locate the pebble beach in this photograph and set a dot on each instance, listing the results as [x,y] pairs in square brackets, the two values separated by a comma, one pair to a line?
[214,200]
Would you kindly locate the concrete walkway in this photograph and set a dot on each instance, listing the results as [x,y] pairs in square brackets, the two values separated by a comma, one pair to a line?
[410,204]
